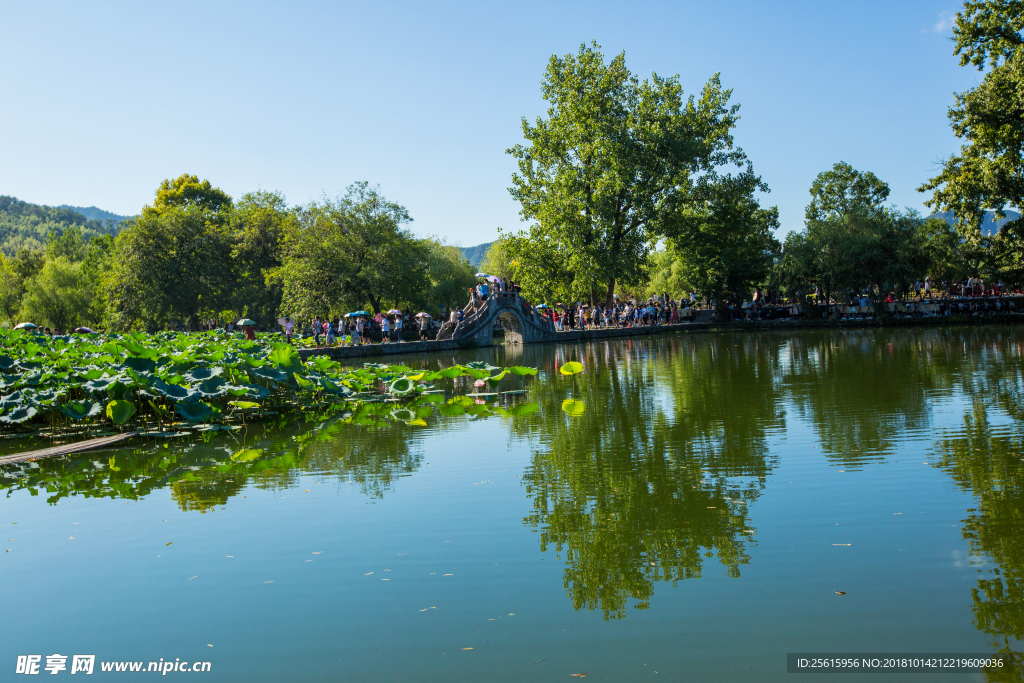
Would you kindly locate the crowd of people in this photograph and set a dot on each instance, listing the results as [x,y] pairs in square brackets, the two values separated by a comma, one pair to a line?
[969,296]
[631,312]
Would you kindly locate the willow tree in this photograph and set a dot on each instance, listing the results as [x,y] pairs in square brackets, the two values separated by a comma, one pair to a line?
[615,159]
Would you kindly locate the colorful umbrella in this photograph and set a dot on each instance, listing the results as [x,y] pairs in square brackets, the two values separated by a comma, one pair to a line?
[542,306]
[481,275]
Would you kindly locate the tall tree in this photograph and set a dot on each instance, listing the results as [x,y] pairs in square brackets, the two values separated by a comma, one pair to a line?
[174,261]
[349,253]
[59,295]
[988,171]
[853,242]
[258,225]
[725,243]
[613,158]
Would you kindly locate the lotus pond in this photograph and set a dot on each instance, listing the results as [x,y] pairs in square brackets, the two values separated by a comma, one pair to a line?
[82,385]
[684,507]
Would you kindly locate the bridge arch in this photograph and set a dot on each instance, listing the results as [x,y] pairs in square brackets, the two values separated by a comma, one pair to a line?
[521,322]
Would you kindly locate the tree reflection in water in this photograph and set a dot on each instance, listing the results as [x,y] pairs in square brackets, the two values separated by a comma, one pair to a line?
[656,475]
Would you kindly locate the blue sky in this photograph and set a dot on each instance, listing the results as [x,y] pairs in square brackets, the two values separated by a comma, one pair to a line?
[101,101]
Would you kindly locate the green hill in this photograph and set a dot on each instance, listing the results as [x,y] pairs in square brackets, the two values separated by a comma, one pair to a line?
[94,214]
[25,225]
[476,254]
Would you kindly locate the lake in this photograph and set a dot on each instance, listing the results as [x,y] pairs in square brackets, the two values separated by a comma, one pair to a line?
[719,500]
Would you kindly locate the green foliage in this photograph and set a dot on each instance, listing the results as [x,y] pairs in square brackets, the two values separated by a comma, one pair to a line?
[613,163]
[258,225]
[187,191]
[722,244]
[853,242]
[59,296]
[119,412]
[29,226]
[169,265]
[347,253]
[450,276]
[986,173]
[495,261]
[151,379]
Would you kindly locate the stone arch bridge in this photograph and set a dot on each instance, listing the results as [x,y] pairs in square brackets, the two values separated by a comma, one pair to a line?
[521,322]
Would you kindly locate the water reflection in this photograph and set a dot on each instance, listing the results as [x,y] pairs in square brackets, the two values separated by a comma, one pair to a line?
[655,477]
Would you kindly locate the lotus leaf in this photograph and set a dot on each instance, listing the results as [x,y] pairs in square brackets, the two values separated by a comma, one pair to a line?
[6,362]
[194,412]
[285,357]
[77,410]
[452,372]
[12,400]
[32,379]
[174,393]
[201,374]
[248,390]
[140,364]
[244,405]
[19,415]
[120,412]
[401,386]
[571,368]
[519,370]
[335,388]
[211,388]
[270,374]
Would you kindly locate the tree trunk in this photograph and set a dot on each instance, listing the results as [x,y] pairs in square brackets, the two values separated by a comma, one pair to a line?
[609,300]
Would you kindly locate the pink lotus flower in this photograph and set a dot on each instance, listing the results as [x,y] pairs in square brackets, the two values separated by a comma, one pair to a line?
[479,383]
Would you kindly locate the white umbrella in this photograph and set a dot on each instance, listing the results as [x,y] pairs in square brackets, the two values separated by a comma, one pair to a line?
[394,311]
[481,275]
[423,315]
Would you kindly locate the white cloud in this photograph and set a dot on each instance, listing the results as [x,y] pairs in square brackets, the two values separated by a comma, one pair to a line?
[945,22]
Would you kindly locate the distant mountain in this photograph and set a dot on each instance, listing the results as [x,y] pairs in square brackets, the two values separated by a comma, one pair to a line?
[989,225]
[27,226]
[94,214]
[475,255]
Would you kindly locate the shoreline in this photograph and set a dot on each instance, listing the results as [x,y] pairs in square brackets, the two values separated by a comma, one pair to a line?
[376,350]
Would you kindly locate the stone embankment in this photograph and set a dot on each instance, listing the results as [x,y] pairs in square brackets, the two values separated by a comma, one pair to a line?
[701,324]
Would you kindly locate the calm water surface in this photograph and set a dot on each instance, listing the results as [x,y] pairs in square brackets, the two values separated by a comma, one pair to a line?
[694,523]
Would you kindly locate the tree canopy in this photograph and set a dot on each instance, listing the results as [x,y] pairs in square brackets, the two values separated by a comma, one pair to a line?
[987,172]
[610,166]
